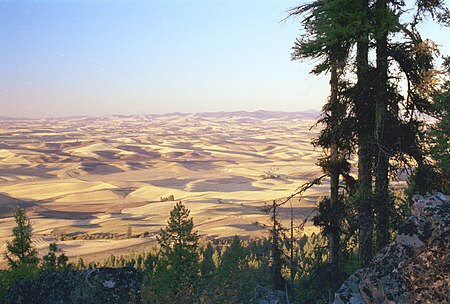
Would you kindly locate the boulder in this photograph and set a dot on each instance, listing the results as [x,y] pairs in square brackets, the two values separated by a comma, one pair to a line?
[103,285]
[268,296]
[412,269]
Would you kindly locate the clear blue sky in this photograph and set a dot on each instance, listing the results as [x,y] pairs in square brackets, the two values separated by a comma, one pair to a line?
[61,58]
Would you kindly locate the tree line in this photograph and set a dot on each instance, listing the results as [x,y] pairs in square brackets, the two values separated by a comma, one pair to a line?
[184,268]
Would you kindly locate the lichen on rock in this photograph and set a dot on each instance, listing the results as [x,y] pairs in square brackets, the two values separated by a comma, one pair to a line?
[412,269]
[263,295]
[103,285]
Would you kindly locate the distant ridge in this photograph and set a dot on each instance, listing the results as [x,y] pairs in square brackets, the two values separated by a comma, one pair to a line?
[16,118]
[260,114]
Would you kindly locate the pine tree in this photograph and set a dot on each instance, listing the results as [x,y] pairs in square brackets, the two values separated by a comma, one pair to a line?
[329,37]
[429,176]
[51,262]
[231,259]
[375,101]
[177,272]
[80,264]
[440,135]
[364,115]
[229,279]
[381,192]
[207,266]
[405,136]
[19,251]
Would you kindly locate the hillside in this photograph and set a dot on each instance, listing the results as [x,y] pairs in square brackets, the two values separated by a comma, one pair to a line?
[84,176]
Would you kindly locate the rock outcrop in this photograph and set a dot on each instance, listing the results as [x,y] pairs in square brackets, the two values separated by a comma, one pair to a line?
[412,269]
[268,296]
[103,285]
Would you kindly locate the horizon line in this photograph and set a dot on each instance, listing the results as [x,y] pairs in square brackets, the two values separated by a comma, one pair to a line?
[8,117]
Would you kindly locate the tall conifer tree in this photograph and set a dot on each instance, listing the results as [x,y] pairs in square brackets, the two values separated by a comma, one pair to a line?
[328,37]
[19,251]
[177,273]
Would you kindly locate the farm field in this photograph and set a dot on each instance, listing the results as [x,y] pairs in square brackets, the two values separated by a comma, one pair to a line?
[85,180]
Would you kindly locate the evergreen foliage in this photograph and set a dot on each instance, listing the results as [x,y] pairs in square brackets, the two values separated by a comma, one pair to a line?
[207,266]
[429,177]
[177,270]
[368,113]
[19,251]
[52,262]
[9,277]
[440,134]
[23,258]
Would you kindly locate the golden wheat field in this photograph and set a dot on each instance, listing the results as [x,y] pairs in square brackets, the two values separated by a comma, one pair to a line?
[85,180]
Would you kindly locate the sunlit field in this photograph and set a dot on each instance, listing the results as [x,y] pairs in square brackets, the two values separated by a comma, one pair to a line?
[84,180]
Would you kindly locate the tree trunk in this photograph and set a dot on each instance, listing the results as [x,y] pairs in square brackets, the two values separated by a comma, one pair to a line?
[333,235]
[365,131]
[291,259]
[382,160]
[365,204]
[278,280]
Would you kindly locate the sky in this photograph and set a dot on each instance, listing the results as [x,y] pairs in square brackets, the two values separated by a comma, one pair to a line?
[64,58]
